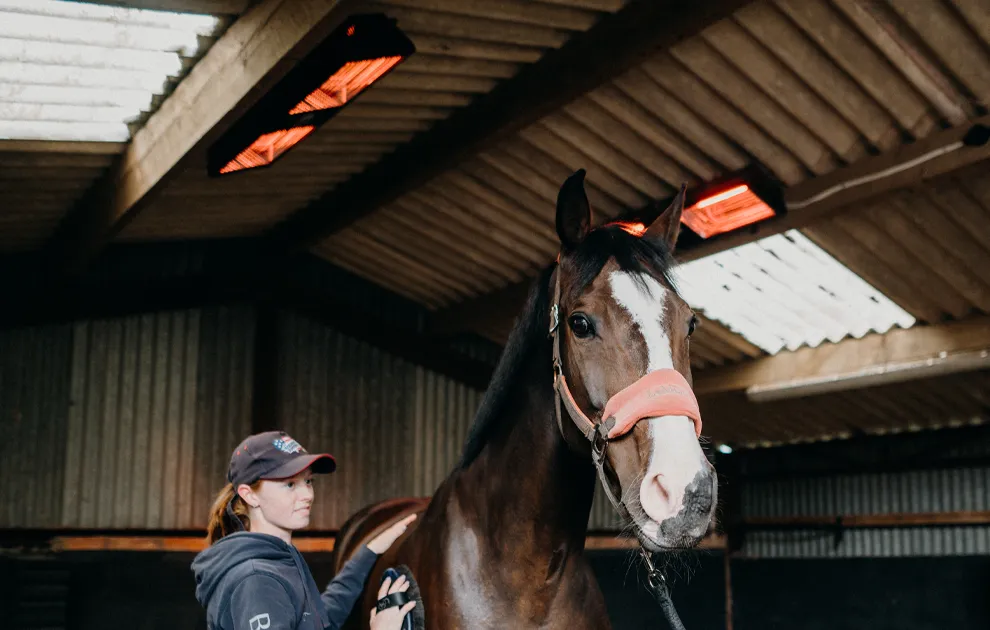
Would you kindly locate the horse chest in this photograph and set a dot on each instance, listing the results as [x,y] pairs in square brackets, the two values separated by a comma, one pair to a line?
[487,592]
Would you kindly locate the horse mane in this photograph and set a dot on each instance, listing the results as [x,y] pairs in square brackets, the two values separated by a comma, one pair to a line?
[532,326]
[632,253]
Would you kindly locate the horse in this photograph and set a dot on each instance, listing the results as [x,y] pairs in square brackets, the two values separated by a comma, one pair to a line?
[594,378]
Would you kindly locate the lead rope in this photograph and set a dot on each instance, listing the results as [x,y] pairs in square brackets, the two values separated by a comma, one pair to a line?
[658,586]
[599,444]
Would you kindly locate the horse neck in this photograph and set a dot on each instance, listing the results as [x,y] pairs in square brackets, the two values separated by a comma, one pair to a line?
[527,486]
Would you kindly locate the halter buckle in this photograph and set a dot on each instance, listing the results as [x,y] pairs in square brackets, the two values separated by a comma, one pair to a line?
[554,318]
[599,442]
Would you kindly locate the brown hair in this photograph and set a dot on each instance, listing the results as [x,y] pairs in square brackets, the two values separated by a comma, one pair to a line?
[220,521]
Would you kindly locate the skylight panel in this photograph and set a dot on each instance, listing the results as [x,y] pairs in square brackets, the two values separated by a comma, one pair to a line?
[785,292]
[74,70]
[159,62]
[61,75]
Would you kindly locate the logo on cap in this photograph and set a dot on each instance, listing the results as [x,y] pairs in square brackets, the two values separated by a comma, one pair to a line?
[287,445]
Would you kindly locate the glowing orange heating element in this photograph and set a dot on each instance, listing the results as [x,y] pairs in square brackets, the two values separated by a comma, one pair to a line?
[726,211]
[345,84]
[266,148]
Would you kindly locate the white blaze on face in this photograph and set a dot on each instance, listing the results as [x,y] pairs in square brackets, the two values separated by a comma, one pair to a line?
[676,457]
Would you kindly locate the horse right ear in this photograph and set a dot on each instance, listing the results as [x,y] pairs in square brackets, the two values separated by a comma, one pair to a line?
[667,226]
[573,212]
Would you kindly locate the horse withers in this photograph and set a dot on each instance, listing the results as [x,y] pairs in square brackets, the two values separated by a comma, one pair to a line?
[500,544]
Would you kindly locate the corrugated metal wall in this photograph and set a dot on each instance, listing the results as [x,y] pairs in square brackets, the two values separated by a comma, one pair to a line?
[224,387]
[133,403]
[34,394]
[123,423]
[396,429]
[922,491]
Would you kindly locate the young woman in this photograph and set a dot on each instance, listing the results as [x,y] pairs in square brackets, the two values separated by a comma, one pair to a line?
[251,577]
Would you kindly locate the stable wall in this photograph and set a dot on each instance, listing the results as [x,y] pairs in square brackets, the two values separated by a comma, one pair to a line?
[878,578]
[128,423]
[122,423]
[924,473]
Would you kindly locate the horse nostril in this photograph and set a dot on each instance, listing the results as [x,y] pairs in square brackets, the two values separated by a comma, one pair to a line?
[660,501]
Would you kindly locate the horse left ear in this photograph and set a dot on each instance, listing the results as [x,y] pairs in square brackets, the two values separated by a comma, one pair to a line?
[668,225]
[573,212]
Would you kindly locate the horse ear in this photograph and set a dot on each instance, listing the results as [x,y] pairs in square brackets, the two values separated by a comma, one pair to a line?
[668,225]
[573,211]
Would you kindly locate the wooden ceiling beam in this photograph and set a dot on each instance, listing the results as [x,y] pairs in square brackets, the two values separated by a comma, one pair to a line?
[248,60]
[901,354]
[503,304]
[618,42]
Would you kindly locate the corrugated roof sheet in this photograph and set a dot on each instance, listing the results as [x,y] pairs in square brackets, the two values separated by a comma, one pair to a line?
[84,72]
[928,247]
[802,87]
[784,291]
[40,180]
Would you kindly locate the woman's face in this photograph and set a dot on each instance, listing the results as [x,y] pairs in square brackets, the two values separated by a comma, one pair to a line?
[284,504]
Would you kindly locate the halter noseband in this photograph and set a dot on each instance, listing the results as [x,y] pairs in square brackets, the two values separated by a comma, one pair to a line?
[663,392]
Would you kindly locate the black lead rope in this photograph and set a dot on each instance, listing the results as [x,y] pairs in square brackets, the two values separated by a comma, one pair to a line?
[658,586]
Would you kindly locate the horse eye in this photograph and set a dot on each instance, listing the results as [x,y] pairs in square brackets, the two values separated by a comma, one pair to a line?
[692,325]
[580,325]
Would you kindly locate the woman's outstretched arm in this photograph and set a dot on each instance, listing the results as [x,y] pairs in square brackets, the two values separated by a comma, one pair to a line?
[346,587]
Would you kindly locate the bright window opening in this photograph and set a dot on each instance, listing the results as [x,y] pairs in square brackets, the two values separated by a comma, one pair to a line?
[785,292]
[78,71]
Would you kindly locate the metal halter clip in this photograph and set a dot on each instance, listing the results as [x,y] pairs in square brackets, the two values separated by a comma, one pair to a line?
[554,318]
[654,575]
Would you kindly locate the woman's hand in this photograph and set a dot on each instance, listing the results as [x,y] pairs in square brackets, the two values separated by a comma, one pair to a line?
[391,618]
[380,543]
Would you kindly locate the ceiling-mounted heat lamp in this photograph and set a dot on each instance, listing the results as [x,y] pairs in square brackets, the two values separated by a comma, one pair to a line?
[359,52]
[735,202]
[726,211]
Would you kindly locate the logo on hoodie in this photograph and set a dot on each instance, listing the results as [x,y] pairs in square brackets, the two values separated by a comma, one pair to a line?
[288,445]
[260,622]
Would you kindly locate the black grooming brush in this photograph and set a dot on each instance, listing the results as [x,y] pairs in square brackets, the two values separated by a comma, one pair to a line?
[415,618]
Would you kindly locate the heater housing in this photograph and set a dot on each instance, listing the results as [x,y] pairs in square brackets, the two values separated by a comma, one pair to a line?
[739,201]
[359,52]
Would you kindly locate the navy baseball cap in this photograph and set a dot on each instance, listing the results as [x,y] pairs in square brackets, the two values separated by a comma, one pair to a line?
[274,455]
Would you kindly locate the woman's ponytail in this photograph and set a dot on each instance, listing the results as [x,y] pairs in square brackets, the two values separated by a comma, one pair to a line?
[221,522]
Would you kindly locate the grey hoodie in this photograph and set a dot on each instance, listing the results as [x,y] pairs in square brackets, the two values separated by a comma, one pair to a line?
[259,582]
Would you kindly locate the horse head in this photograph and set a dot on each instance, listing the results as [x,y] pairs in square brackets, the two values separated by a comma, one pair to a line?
[623,373]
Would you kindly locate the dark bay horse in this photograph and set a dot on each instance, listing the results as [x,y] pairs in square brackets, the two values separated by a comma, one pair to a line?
[500,544]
